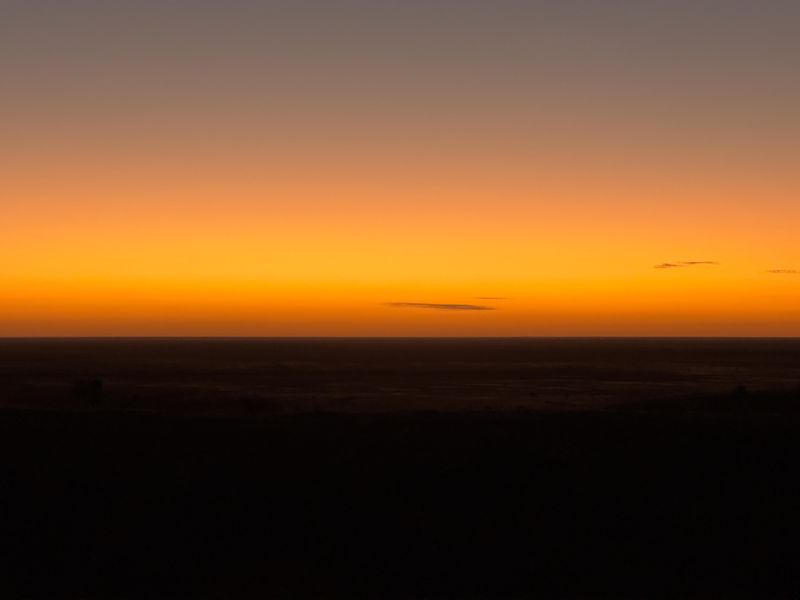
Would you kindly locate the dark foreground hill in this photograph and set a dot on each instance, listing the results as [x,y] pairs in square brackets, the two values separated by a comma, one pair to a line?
[506,504]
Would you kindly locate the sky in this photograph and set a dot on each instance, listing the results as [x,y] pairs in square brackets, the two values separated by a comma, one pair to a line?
[399,168]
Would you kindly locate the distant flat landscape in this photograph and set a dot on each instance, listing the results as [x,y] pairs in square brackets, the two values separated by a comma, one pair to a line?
[399,468]
[228,377]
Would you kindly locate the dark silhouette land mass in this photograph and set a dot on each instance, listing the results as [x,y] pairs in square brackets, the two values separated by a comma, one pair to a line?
[506,468]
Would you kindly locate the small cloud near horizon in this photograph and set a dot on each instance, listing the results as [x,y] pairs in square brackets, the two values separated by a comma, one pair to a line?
[685,263]
[433,306]
[784,271]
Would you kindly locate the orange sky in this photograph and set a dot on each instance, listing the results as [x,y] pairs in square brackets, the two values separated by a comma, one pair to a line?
[189,174]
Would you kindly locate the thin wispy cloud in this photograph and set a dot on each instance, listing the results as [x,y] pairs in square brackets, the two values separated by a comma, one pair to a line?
[491,298]
[784,271]
[685,263]
[433,306]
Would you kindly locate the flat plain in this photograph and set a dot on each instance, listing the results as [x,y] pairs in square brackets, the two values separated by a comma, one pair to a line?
[399,468]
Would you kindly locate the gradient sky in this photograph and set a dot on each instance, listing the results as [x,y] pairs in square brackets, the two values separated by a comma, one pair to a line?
[379,167]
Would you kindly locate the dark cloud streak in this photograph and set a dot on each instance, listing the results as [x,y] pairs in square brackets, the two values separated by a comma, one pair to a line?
[432,306]
[685,263]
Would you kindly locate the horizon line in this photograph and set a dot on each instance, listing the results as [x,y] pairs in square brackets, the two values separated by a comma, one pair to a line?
[397,337]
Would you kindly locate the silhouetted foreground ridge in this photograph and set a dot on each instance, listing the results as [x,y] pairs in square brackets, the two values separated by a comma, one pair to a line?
[408,506]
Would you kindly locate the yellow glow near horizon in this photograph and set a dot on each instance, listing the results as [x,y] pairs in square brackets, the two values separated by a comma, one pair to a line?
[180,190]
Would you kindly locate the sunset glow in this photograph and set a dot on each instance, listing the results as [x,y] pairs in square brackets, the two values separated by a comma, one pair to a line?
[304,169]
